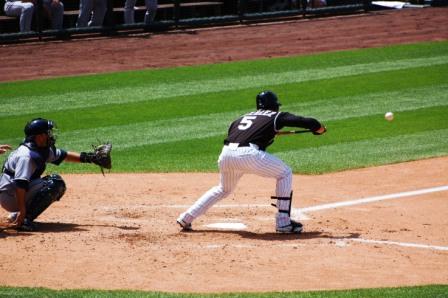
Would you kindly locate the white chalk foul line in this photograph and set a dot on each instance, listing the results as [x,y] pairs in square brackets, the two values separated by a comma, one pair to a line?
[373,199]
[340,243]
[324,206]
[404,244]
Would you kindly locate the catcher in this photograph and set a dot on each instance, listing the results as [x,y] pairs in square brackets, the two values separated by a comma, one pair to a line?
[23,192]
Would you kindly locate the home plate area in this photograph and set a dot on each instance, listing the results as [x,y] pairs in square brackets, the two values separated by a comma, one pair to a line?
[299,214]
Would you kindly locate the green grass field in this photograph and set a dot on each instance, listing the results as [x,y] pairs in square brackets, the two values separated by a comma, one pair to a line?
[175,119]
[435,291]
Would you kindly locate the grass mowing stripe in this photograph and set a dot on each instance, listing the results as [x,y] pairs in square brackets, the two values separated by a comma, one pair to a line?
[153,132]
[172,108]
[200,155]
[147,133]
[344,107]
[204,126]
[24,105]
[243,68]
[370,152]
[195,155]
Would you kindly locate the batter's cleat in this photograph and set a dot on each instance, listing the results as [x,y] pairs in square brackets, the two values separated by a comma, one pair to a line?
[12,217]
[293,228]
[185,226]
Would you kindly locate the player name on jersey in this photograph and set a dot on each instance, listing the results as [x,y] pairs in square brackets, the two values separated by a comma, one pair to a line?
[262,113]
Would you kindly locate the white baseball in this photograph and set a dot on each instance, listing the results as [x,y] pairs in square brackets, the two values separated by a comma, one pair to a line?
[389,116]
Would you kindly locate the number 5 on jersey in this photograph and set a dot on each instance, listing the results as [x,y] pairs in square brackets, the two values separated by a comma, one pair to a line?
[246,122]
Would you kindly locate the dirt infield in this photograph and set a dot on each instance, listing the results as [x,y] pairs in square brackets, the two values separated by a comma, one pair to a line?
[127,237]
[119,231]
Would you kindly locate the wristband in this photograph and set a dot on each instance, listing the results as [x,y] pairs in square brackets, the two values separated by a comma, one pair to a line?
[85,158]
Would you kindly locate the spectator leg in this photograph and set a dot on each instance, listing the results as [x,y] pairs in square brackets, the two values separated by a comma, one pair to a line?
[129,11]
[85,11]
[24,10]
[151,10]
[99,11]
[56,13]
[57,16]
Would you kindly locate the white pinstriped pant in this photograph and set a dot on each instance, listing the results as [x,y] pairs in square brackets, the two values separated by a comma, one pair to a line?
[233,163]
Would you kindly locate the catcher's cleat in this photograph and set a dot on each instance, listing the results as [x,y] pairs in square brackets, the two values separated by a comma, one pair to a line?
[185,226]
[12,217]
[27,226]
[293,228]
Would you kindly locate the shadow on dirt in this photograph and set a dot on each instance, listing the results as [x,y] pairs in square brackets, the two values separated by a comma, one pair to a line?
[52,227]
[57,227]
[279,237]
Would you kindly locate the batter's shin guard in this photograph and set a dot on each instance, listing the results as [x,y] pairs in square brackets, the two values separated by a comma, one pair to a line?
[283,204]
[52,190]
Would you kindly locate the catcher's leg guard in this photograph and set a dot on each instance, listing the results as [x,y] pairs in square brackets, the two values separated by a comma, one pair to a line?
[53,189]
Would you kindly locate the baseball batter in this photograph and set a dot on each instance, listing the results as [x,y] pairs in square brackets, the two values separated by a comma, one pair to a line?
[244,152]
[22,190]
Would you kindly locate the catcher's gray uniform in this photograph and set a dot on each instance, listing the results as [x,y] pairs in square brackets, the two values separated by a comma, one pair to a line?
[244,152]
[23,168]
[151,9]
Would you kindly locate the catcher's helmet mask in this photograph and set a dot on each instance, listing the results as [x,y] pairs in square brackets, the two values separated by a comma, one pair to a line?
[39,126]
[268,100]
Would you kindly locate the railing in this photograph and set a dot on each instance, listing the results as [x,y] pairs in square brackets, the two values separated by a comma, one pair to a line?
[241,13]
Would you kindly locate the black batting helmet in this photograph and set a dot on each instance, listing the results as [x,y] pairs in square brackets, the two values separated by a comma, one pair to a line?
[268,100]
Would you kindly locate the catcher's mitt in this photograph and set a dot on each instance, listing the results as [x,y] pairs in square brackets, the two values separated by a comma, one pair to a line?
[100,156]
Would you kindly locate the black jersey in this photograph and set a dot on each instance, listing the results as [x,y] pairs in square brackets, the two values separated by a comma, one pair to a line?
[260,127]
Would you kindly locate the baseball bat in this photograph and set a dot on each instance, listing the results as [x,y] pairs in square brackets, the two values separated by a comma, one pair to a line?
[291,132]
